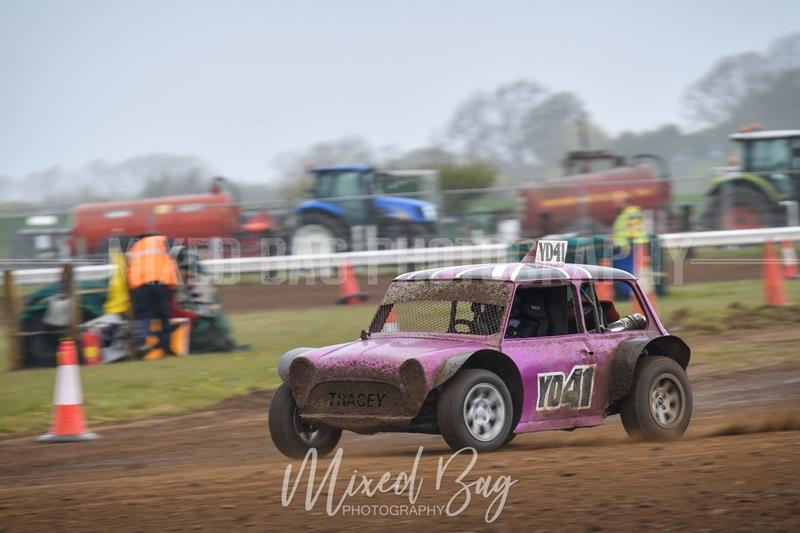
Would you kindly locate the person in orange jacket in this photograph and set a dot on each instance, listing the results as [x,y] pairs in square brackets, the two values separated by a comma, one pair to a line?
[152,276]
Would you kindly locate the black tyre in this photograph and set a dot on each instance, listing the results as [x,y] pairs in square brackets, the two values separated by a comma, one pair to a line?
[292,436]
[413,234]
[740,207]
[319,233]
[475,411]
[659,404]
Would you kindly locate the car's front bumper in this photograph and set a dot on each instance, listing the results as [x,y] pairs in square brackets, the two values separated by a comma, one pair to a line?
[363,399]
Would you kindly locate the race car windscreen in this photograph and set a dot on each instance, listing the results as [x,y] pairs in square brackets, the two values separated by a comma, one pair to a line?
[466,307]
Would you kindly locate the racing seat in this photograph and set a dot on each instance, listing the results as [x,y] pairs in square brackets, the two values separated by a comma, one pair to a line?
[557,303]
[529,317]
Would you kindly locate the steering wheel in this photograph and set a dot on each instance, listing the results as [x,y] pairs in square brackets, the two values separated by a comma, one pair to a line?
[464,322]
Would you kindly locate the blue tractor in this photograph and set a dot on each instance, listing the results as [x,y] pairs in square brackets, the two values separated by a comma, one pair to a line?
[350,207]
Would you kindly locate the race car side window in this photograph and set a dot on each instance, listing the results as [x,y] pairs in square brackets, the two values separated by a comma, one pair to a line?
[615,300]
[542,312]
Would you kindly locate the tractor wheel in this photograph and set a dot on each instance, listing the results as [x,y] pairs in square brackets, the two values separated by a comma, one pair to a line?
[318,234]
[420,235]
[292,436]
[740,208]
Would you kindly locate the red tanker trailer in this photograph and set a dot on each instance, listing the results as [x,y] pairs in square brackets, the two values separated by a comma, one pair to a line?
[215,214]
[595,187]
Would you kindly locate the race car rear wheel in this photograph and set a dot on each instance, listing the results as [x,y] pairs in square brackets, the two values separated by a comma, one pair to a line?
[659,404]
[291,434]
[475,411]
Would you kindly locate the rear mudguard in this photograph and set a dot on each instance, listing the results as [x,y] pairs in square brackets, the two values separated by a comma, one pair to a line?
[623,365]
[310,206]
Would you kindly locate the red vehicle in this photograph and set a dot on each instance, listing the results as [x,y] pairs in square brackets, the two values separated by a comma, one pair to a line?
[595,187]
[215,214]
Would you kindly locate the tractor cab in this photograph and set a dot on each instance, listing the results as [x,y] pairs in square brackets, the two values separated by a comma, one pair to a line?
[352,204]
[768,153]
[422,184]
[342,191]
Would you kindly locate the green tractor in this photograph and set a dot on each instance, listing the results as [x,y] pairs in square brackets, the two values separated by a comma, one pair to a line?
[758,192]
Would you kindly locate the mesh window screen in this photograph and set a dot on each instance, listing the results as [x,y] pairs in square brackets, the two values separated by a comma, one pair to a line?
[439,316]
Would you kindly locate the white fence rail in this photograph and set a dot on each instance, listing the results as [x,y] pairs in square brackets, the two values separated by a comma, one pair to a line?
[479,253]
[736,237]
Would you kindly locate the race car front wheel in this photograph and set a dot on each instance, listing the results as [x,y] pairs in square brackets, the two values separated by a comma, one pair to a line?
[475,411]
[659,404]
[291,434]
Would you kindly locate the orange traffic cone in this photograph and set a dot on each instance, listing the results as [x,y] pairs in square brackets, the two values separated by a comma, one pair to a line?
[605,289]
[790,269]
[68,422]
[774,292]
[348,288]
[390,325]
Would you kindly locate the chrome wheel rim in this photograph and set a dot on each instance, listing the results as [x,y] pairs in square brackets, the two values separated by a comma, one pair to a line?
[307,433]
[667,401]
[484,412]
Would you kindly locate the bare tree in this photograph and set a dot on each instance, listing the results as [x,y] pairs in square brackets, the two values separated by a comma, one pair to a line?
[775,105]
[732,89]
[293,166]
[519,123]
[344,151]
[431,157]
[715,97]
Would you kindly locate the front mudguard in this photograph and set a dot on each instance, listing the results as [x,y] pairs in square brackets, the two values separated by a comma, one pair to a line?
[623,364]
[286,361]
[487,359]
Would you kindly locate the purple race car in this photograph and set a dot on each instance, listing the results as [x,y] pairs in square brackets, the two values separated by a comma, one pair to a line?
[480,353]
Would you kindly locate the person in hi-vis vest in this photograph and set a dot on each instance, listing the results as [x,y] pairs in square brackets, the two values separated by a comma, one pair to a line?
[629,230]
[152,275]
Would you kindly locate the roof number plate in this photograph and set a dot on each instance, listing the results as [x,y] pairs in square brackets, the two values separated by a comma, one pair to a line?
[551,252]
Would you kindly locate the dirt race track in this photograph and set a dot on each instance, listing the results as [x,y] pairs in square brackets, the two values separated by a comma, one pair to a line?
[736,469]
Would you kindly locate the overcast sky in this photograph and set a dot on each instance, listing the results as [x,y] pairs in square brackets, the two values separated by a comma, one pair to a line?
[237,82]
